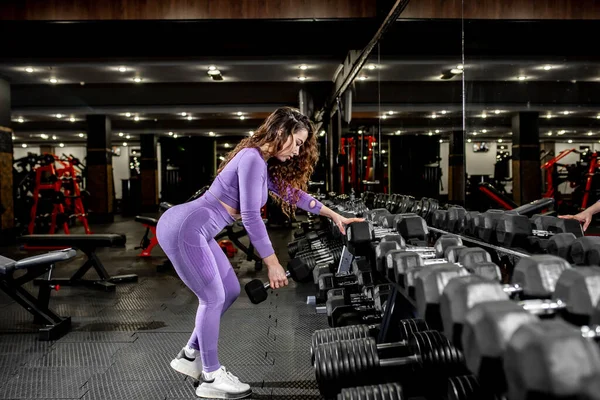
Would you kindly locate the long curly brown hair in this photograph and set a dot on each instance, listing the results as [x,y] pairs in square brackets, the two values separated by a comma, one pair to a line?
[293,173]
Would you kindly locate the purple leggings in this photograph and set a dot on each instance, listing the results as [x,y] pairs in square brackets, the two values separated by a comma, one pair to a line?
[186,234]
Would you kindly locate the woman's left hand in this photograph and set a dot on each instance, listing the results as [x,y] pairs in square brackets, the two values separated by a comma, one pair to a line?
[342,222]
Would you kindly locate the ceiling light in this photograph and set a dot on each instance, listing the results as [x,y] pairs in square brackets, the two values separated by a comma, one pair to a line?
[437,131]
[497,112]
[128,115]
[590,133]
[136,118]
[183,114]
[251,133]
[128,137]
[189,118]
[384,116]
[499,140]
[460,66]
[362,77]
[469,140]
[61,144]
[239,113]
[121,134]
[226,145]
[20,120]
[456,71]
[242,117]
[360,131]
[566,112]
[24,145]
[170,133]
[53,80]
[212,68]
[122,69]
[484,115]
[53,137]
[125,144]
[301,78]
[29,69]
[434,116]
[549,133]
[570,140]
[211,134]
[561,132]
[72,119]
[59,116]
[383,151]
[549,116]
[303,67]
[13,137]
[137,79]
[398,132]
[474,133]
[522,77]
[430,133]
[322,133]
[81,134]
[44,136]
[391,112]
[441,141]
[598,116]
[547,67]
[484,131]
[175,136]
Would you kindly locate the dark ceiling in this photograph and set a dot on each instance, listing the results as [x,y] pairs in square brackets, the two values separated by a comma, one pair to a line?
[507,67]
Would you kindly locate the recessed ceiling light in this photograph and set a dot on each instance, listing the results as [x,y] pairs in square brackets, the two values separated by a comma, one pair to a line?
[81,134]
[61,144]
[122,69]
[301,78]
[547,67]
[54,137]
[128,137]
[214,72]
[430,133]
[484,115]
[53,80]
[456,71]
[242,117]
[441,141]
[59,116]
[226,145]
[549,133]
[549,116]
[566,112]
[522,77]
[136,118]
[29,69]
[211,133]
[212,68]
[303,67]
[398,132]
[434,116]
[590,133]
[469,140]
[170,133]
[363,77]
[239,113]
[125,144]
[137,79]
[484,131]
[391,112]
[44,136]
[128,115]
[561,132]
[437,131]
[460,66]
[499,140]
[598,116]
[175,136]
[24,145]
[121,134]
[371,67]
[384,116]
[570,140]
[497,112]
[444,112]
[72,119]
[20,120]
[189,118]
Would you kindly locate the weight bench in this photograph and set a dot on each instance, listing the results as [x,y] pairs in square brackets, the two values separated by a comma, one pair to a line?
[230,233]
[147,244]
[87,244]
[54,326]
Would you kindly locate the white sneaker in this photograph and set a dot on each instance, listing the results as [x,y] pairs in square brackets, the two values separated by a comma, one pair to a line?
[222,384]
[190,366]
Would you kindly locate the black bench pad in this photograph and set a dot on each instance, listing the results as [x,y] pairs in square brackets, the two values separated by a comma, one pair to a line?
[146,220]
[77,241]
[7,265]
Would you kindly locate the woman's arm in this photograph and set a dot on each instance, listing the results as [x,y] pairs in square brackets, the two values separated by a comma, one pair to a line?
[585,217]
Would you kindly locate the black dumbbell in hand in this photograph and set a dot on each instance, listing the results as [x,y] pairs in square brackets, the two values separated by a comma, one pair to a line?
[257,290]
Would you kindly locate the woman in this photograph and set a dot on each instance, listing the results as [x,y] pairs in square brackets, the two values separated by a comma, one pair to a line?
[279,157]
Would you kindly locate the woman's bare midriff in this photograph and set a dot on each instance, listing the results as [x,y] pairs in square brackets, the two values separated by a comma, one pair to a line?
[232,211]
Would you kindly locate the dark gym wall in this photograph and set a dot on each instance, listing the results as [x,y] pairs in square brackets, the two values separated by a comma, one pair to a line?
[505,9]
[408,172]
[6,161]
[187,165]
[183,9]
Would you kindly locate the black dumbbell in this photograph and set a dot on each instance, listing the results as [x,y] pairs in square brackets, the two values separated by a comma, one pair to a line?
[257,290]
[349,363]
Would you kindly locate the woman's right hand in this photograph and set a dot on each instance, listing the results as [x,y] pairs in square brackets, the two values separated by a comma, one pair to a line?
[277,278]
[584,217]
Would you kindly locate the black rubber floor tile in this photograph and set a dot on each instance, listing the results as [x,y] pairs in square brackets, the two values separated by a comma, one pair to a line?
[101,337]
[109,389]
[142,365]
[81,355]
[187,391]
[48,382]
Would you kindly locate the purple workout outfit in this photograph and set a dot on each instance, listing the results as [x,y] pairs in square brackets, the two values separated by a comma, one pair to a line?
[186,234]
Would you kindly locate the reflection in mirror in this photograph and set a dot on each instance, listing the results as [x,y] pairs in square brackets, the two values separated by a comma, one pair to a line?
[531,95]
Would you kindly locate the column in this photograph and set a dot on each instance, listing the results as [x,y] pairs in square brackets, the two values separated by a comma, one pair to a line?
[149,172]
[456,168]
[548,150]
[527,177]
[7,213]
[100,182]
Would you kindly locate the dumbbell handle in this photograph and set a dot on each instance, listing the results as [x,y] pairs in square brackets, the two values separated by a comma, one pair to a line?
[400,361]
[268,284]
[542,307]
[512,289]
